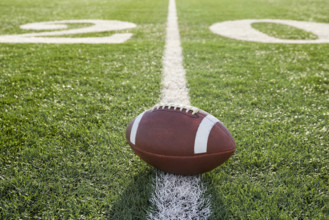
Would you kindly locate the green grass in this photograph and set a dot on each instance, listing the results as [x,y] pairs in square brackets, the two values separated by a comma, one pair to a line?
[283,31]
[274,100]
[64,110]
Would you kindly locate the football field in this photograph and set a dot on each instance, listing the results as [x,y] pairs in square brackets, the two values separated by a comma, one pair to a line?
[74,74]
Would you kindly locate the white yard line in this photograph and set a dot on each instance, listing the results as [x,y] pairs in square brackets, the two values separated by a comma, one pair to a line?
[179,197]
[176,197]
[174,83]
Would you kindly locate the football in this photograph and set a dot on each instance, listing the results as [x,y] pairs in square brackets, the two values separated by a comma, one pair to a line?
[180,140]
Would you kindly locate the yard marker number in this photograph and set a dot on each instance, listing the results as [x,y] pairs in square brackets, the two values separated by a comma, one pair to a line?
[242,30]
[47,37]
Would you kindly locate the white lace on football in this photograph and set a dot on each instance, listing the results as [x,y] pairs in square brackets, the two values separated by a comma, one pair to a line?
[180,107]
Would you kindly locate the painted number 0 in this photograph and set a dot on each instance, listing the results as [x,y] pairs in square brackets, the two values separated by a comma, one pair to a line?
[242,30]
[45,37]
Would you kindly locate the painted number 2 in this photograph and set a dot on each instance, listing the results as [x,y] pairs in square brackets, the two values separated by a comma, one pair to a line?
[48,37]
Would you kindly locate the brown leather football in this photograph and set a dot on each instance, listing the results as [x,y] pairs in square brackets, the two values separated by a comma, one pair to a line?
[180,140]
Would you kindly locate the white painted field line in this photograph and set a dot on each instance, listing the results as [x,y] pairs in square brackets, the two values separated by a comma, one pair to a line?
[176,197]
[179,197]
[174,83]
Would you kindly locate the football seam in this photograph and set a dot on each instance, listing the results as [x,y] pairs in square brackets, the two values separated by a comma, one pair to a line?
[191,156]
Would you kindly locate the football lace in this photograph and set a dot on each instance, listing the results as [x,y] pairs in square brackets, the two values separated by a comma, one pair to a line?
[179,107]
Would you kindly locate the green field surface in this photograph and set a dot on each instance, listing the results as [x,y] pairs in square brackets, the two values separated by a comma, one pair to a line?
[274,98]
[64,109]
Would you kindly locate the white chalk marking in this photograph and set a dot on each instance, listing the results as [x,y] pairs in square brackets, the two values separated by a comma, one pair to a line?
[179,197]
[242,30]
[44,37]
[176,197]
[173,82]
[202,134]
